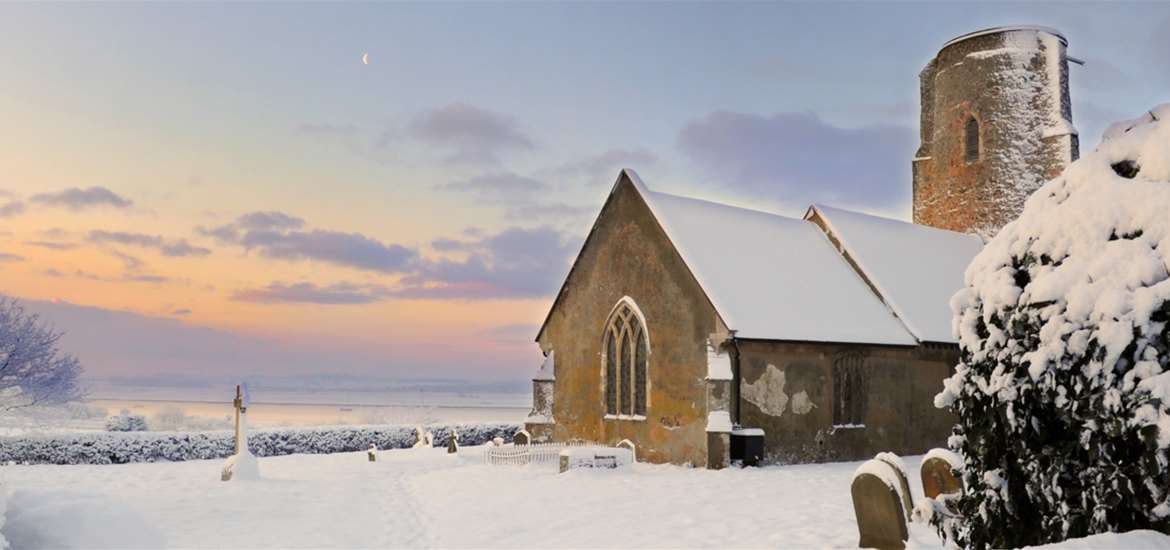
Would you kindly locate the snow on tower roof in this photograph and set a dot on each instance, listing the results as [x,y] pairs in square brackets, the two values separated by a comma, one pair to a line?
[772,277]
[914,268]
[1010,28]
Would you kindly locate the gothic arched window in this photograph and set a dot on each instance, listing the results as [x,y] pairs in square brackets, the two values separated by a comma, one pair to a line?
[626,351]
[971,140]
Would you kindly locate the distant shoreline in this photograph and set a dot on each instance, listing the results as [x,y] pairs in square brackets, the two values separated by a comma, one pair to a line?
[295,404]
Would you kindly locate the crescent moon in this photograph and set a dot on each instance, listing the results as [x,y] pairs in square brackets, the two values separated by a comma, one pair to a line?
[365,59]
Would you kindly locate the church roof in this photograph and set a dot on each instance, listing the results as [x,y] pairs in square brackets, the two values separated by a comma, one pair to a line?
[914,268]
[772,277]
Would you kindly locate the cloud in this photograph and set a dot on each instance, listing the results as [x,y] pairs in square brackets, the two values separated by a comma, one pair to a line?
[275,235]
[51,245]
[602,169]
[171,248]
[499,186]
[11,209]
[271,219]
[131,263]
[305,292]
[181,312]
[517,332]
[52,273]
[78,199]
[515,263]
[799,158]
[6,257]
[468,133]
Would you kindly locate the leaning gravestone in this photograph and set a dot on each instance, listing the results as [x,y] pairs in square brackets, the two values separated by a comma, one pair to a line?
[521,438]
[878,507]
[899,468]
[938,473]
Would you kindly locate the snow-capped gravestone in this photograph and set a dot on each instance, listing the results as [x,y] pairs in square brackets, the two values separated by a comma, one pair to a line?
[1062,391]
[881,520]
[895,463]
[372,453]
[938,473]
[521,438]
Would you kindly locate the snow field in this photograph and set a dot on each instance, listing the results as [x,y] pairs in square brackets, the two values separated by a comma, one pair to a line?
[426,498]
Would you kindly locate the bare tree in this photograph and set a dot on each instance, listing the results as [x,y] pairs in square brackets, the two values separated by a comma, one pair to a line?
[33,370]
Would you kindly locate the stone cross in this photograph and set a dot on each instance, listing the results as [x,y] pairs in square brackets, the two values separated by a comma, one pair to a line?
[938,476]
[878,507]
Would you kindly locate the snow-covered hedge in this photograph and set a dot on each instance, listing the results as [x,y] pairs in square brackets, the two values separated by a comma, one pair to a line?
[1063,389]
[126,422]
[125,447]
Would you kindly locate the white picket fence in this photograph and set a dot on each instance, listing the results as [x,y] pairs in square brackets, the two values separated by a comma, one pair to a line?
[536,453]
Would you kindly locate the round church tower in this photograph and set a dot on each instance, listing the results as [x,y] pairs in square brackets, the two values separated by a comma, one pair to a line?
[996,124]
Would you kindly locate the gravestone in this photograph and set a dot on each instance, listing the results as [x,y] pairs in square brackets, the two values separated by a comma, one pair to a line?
[522,437]
[899,468]
[453,442]
[627,444]
[881,522]
[498,442]
[372,453]
[938,473]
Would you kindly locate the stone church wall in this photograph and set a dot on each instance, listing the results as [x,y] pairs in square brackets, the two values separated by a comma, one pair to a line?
[787,388]
[628,254]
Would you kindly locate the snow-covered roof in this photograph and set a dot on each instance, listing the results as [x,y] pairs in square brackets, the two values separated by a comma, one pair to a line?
[772,277]
[916,269]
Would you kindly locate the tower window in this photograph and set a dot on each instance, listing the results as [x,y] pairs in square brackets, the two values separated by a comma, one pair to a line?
[972,140]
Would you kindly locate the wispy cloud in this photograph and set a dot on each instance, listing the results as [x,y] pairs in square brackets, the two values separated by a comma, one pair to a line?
[798,157]
[6,257]
[51,245]
[275,235]
[305,292]
[76,198]
[11,209]
[602,168]
[172,248]
[468,133]
[515,263]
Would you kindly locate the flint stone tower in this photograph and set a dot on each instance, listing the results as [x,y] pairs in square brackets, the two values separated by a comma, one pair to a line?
[996,124]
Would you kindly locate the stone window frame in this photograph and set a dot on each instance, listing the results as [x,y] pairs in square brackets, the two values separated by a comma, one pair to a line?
[967,152]
[850,389]
[618,323]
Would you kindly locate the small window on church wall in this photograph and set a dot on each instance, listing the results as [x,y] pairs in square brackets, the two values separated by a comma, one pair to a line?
[627,351]
[972,140]
[850,389]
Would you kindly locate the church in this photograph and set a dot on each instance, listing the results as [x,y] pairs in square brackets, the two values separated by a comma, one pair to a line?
[689,327]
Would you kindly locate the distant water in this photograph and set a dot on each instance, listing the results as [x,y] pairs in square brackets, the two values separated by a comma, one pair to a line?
[193,408]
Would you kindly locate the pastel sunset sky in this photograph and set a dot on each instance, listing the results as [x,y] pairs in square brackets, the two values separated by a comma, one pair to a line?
[215,189]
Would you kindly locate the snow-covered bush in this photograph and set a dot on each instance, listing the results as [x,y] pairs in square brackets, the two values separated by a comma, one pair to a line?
[126,422]
[121,448]
[1063,388]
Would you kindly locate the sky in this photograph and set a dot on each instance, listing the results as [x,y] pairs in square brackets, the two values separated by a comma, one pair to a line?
[227,190]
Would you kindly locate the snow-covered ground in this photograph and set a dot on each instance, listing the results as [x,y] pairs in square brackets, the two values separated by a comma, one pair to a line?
[426,498]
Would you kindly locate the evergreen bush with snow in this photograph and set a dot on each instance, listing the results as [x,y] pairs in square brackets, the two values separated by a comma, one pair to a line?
[127,447]
[126,422]
[1063,388]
